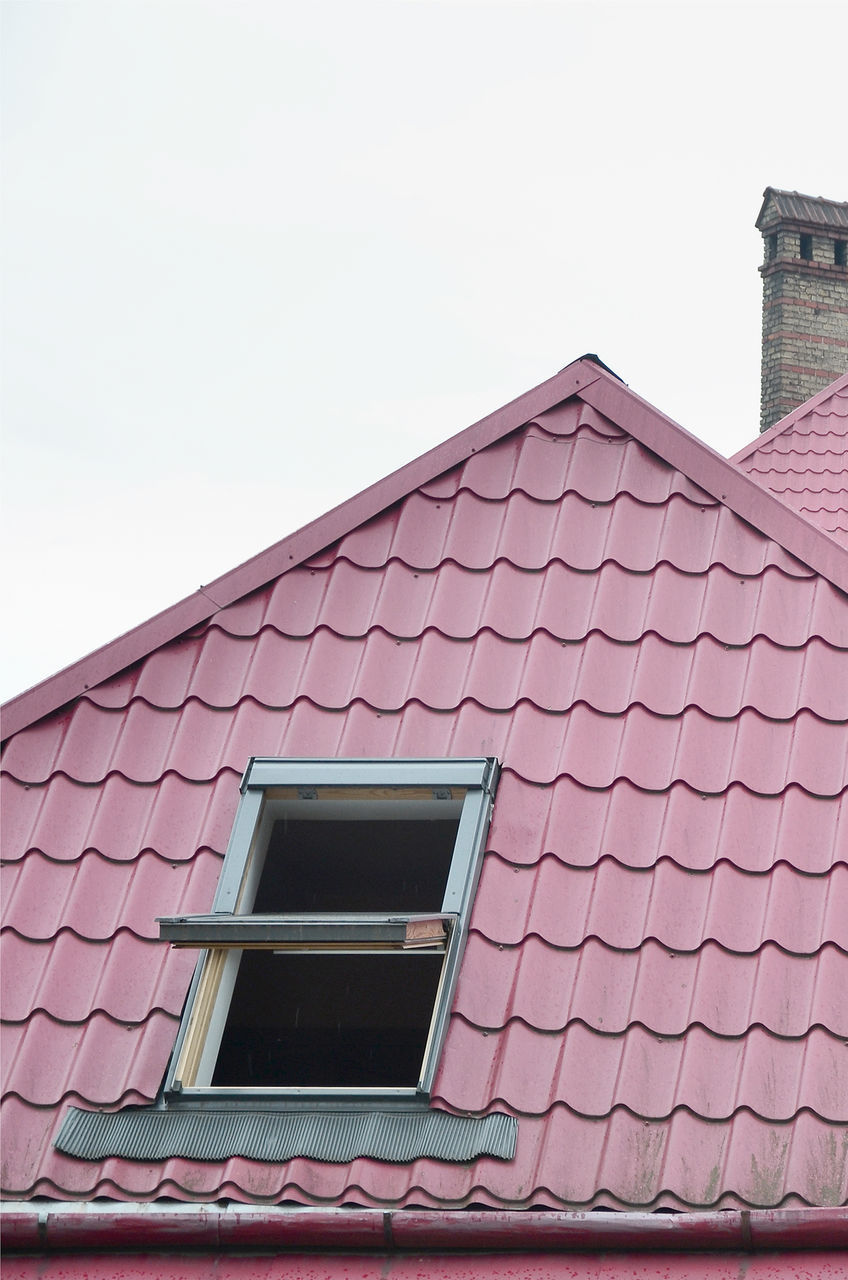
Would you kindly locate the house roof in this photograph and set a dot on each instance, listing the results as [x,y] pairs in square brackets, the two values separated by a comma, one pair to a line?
[803,459]
[588,378]
[792,206]
[653,646]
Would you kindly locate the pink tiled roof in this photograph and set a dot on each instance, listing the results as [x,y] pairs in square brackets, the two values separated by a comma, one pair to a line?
[654,982]
[803,459]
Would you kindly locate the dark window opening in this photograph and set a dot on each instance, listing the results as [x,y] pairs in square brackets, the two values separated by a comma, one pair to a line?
[366,865]
[840,253]
[331,954]
[339,1018]
[771,247]
[328,1020]
[806,246]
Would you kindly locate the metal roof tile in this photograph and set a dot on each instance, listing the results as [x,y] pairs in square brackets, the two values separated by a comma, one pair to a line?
[665,991]
[653,751]
[570,416]
[609,675]
[567,602]
[95,897]
[101,1062]
[171,816]
[422,533]
[123,976]
[530,1071]
[545,466]
[624,906]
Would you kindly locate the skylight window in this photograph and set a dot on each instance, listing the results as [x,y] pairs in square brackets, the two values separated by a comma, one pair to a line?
[331,953]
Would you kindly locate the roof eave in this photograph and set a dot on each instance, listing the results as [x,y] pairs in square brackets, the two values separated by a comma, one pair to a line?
[63,1227]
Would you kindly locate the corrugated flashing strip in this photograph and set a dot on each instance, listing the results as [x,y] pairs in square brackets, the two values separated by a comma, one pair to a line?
[334,1136]
[66,1227]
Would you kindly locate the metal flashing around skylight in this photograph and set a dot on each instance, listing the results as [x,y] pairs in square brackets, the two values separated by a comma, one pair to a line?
[399,1136]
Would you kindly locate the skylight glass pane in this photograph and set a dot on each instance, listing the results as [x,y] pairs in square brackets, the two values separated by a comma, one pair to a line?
[366,865]
[328,1020]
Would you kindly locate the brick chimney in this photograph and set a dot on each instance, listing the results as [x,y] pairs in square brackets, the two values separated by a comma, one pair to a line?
[805,298]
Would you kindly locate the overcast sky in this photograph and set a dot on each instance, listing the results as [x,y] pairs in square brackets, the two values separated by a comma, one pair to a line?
[257,255]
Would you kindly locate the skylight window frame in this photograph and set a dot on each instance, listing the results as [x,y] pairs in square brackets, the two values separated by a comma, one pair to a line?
[467,783]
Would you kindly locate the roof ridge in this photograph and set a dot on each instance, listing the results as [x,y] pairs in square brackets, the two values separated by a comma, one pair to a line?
[722,478]
[585,378]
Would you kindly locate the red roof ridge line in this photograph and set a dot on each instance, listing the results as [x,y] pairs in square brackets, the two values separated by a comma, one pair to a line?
[603,391]
[723,479]
[50,694]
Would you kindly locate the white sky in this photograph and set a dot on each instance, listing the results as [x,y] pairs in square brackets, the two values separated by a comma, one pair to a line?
[257,255]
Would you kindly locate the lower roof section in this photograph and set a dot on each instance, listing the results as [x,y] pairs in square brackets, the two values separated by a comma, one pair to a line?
[562,1161]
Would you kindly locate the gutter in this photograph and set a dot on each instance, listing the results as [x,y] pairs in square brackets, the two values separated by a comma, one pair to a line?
[68,1227]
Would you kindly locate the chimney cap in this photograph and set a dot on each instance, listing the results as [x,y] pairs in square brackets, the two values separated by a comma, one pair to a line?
[792,206]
